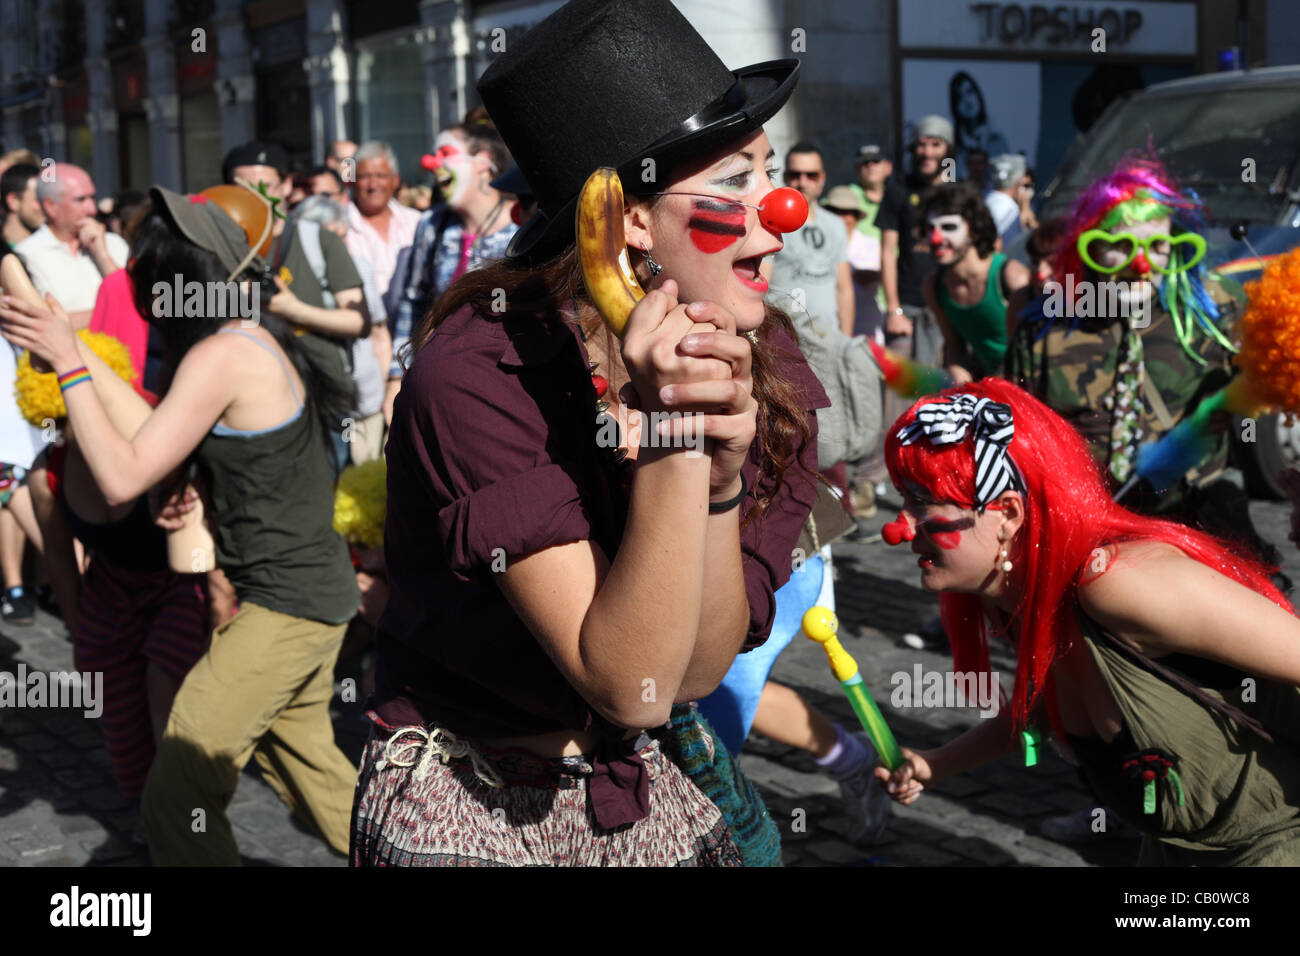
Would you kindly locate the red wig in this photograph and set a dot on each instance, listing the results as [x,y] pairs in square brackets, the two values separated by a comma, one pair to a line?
[1069,515]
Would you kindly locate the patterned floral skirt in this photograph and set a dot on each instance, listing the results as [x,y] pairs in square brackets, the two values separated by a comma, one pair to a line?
[453,805]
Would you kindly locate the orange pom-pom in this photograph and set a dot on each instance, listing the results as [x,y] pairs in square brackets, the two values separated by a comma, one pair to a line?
[1270,334]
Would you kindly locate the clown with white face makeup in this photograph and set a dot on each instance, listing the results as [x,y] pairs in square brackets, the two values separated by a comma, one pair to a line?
[624,560]
[456,171]
[949,237]
[1130,325]
[968,293]
[1123,371]
[469,227]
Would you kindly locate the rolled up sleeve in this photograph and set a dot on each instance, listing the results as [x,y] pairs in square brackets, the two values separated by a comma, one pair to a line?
[528,512]
[490,467]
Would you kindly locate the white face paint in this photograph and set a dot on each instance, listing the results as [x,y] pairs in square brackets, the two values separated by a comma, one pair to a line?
[455,170]
[949,236]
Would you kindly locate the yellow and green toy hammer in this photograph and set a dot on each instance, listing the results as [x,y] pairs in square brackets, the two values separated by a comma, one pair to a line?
[820,625]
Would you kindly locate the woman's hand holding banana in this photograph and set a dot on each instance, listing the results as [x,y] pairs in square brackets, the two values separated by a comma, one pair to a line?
[725,410]
[680,358]
[675,367]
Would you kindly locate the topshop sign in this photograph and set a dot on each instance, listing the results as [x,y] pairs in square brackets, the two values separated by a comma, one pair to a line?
[1167,29]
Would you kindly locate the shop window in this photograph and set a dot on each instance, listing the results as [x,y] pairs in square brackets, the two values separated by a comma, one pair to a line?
[133,142]
[25,44]
[200,142]
[126,24]
[81,151]
[367,18]
[284,109]
[71,50]
[392,100]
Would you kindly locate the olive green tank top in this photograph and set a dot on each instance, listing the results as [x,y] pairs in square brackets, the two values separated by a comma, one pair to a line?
[1241,794]
[982,326]
[273,512]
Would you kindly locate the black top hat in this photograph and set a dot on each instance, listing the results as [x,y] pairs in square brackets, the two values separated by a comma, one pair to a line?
[612,83]
[514,182]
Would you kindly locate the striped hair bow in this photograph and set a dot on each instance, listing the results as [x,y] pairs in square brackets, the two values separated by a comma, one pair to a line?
[948,420]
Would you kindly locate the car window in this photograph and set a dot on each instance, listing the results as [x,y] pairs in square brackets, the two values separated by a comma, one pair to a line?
[1205,139]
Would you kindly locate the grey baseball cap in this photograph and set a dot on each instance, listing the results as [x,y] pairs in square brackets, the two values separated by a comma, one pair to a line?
[936,126]
[206,224]
[1007,169]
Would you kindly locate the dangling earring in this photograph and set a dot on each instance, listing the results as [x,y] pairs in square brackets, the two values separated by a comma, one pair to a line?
[654,267]
[1006,563]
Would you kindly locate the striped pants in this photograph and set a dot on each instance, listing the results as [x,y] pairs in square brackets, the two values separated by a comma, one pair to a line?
[128,620]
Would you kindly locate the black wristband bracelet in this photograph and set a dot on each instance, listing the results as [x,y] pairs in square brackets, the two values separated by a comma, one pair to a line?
[721,506]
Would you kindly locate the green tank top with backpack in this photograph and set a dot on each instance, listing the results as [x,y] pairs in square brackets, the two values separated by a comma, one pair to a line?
[273,512]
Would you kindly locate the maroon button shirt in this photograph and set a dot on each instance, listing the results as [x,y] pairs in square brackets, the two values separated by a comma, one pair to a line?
[492,455]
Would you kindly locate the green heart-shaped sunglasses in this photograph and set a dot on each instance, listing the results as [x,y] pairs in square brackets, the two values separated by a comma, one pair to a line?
[1099,241]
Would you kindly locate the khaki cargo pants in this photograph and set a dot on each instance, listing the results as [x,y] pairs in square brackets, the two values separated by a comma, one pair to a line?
[262,689]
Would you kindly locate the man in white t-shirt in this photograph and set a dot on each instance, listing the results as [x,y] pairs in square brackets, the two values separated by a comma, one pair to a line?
[71,254]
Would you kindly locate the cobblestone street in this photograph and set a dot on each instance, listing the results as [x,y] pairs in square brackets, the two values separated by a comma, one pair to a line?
[59,805]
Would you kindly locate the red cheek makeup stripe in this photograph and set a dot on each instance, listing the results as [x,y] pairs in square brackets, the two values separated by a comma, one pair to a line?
[948,540]
[947,534]
[714,226]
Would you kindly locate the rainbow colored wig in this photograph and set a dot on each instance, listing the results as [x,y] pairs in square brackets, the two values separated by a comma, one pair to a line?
[1140,189]
[1070,519]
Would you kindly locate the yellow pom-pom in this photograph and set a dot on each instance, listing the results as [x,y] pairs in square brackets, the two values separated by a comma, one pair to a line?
[38,394]
[361,503]
[1270,334]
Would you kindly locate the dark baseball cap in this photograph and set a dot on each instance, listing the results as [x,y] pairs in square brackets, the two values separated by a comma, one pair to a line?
[206,224]
[256,154]
[870,152]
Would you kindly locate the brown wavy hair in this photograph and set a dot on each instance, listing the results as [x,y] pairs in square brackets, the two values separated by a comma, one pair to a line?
[962,199]
[556,286]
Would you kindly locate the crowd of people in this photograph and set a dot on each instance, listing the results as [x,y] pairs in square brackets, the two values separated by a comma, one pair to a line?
[572,638]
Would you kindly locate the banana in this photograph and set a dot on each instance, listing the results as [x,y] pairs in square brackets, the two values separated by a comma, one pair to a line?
[15,281]
[602,250]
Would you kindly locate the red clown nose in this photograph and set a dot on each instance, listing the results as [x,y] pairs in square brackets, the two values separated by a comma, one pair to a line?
[896,532]
[783,210]
[1141,264]
[432,161]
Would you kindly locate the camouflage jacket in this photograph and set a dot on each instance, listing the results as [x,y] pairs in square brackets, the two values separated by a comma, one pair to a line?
[1073,372]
